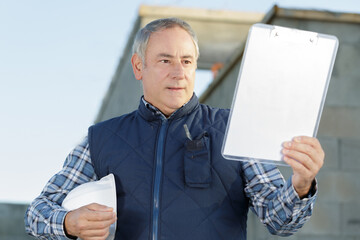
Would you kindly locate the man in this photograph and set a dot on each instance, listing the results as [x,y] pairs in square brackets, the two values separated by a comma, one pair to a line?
[171,180]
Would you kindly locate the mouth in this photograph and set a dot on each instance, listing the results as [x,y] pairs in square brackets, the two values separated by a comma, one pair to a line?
[175,88]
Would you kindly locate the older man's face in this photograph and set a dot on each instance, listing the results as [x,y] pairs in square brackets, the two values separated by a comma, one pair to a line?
[169,72]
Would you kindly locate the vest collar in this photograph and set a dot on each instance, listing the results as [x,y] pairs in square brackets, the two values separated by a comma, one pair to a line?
[151,113]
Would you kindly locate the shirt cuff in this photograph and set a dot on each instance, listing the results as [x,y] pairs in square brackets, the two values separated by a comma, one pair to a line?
[58,220]
[312,192]
[293,198]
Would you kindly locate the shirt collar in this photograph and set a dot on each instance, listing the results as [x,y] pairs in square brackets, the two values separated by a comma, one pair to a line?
[150,112]
[156,110]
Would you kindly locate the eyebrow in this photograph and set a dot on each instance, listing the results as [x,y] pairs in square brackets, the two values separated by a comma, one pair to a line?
[171,56]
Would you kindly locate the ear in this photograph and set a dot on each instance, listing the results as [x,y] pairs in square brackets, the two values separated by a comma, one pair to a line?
[137,66]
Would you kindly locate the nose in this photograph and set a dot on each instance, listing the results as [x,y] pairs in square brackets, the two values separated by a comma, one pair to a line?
[178,71]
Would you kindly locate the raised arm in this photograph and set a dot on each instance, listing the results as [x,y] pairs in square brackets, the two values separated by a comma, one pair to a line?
[275,201]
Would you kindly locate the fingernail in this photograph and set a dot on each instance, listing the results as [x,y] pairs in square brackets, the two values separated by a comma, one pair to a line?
[298,139]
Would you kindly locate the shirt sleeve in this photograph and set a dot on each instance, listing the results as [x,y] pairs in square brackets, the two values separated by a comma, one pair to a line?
[275,201]
[44,217]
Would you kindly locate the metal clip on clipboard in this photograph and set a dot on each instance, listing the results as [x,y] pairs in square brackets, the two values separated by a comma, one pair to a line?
[292,35]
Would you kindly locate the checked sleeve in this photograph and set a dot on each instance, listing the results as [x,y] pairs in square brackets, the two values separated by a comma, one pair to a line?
[44,217]
[275,201]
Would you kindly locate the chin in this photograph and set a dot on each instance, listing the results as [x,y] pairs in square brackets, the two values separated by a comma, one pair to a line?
[174,106]
[176,102]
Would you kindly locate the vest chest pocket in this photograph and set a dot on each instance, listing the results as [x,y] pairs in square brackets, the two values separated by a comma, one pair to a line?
[197,165]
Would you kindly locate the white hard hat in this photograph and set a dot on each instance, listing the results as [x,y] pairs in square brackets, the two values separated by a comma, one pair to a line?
[102,192]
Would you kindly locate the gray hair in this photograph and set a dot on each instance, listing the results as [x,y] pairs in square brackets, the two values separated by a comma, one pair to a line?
[143,35]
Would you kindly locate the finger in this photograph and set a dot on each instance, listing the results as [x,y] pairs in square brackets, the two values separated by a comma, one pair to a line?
[313,142]
[95,234]
[319,154]
[300,147]
[100,216]
[296,166]
[300,157]
[308,140]
[99,207]
[98,225]
[316,155]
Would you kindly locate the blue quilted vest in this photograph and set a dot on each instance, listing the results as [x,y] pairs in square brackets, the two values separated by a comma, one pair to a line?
[168,186]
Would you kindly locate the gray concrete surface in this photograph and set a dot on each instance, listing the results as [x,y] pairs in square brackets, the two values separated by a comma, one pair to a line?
[12,225]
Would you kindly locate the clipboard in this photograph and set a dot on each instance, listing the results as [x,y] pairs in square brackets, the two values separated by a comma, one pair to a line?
[280,91]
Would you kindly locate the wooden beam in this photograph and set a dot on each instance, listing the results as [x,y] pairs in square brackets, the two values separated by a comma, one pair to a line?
[200,14]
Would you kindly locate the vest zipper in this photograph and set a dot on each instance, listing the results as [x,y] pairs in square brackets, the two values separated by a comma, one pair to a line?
[157,181]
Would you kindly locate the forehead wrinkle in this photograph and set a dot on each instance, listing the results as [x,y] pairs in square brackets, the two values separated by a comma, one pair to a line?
[165,55]
[189,56]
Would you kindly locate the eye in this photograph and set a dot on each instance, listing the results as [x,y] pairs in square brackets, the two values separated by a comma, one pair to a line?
[187,61]
[164,61]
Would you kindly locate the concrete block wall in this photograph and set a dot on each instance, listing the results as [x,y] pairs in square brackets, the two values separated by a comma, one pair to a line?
[339,132]
[12,225]
[337,210]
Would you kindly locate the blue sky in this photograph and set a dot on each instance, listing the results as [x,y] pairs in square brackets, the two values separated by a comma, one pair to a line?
[57,59]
